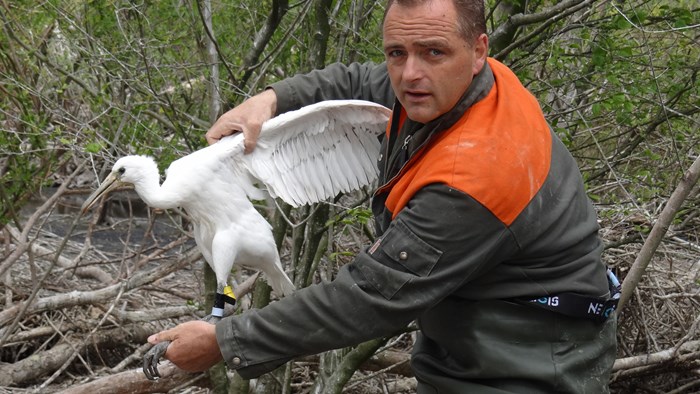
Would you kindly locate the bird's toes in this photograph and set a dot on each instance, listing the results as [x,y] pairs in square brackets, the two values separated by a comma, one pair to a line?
[151,358]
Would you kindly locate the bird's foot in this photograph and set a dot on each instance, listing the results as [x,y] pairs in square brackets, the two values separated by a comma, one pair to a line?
[150,360]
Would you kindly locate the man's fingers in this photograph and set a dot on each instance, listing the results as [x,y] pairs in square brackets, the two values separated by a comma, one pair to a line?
[210,139]
[217,133]
[160,337]
[223,128]
[249,143]
[250,138]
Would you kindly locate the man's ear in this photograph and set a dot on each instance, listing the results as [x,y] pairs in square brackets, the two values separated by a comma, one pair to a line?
[481,52]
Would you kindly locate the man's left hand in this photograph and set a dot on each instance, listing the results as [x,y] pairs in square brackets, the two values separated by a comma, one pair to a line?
[193,345]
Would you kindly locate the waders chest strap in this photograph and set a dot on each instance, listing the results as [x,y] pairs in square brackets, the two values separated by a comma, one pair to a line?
[576,305]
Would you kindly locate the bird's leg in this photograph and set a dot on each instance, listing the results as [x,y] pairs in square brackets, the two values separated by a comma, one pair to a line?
[224,295]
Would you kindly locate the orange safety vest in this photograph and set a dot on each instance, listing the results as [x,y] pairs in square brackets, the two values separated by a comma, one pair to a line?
[498,153]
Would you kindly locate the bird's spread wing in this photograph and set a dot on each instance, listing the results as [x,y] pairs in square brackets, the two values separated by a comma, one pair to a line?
[314,153]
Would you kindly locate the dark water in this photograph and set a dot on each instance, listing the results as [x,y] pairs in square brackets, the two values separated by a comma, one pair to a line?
[125,223]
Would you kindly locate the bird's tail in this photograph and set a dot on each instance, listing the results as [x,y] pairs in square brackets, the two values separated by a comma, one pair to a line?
[280,283]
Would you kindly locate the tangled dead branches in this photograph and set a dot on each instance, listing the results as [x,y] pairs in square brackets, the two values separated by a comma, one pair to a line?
[80,299]
[658,347]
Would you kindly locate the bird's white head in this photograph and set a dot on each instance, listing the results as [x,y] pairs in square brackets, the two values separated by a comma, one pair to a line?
[134,169]
[129,170]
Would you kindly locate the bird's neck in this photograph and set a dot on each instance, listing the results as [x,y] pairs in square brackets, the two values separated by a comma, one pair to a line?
[151,192]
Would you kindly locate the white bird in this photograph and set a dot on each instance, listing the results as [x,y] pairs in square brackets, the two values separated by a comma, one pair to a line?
[303,157]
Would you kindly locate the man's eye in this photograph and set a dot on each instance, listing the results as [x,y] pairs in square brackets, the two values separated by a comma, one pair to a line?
[435,52]
[395,53]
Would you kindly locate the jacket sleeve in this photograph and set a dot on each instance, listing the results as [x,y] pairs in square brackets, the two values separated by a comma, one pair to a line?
[337,81]
[416,263]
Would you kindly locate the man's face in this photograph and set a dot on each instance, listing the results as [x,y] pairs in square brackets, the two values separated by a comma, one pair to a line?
[430,63]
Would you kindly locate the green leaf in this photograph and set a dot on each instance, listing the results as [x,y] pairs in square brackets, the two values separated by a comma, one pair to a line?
[620,22]
[93,147]
[598,56]
[597,109]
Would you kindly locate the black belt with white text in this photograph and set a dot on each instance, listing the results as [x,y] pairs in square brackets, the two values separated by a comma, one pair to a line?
[576,305]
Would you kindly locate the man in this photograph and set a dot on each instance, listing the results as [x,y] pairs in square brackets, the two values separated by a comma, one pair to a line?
[481,210]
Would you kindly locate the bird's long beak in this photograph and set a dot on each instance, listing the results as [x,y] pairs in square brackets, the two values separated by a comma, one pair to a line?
[110,183]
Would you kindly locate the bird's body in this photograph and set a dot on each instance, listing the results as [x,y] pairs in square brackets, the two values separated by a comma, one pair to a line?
[303,157]
[226,226]
[238,234]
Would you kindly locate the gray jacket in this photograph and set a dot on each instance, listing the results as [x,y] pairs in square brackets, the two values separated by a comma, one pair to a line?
[446,258]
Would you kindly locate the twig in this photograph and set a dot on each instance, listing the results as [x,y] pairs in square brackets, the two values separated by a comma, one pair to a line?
[665,219]
[376,373]
[156,314]
[23,240]
[96,296]
[548,16]
[135,381]
[76,352]
[691,350]
[63,262]
[31,368]
[38,284]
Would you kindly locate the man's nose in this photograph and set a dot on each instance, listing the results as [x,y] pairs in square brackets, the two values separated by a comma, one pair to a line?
[413,69]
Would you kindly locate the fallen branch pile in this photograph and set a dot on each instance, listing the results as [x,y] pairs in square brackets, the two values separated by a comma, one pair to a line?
[658,347]
[80,299]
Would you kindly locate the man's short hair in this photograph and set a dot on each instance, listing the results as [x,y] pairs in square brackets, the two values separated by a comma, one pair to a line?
[470,15]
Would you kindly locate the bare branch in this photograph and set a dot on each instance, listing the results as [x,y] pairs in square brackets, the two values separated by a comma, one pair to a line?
[658,231]
[101,295]
[545,18]
[134,381]
[63,262]
[23,239]
[689,350]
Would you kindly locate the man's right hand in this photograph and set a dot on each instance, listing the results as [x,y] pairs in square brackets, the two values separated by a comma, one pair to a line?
[248,118]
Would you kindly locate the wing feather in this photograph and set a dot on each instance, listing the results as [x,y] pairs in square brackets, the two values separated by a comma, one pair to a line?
[349,160]
[312,154]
